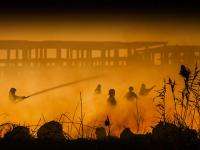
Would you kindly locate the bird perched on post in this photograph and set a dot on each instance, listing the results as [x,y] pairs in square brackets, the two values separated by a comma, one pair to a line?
[107,124]
[185,72]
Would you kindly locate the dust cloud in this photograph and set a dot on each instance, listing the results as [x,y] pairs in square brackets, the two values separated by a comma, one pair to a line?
[50,105]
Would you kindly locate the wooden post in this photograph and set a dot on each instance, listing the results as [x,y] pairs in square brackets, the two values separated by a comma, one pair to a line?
[17,54]
[41,53]
[58,53]
[29,53]
[8,54]
[67,53]
[44,53]
[36,53]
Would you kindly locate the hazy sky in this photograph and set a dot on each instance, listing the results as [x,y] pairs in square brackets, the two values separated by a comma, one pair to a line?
[127,20]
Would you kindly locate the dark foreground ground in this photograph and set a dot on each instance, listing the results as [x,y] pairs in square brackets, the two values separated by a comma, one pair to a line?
[164,136]
[106,144]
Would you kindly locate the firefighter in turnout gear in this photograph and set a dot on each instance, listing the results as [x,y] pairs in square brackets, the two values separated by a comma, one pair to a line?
[131,95]
[98,89]
[111,99]
[145,91]
[13,97]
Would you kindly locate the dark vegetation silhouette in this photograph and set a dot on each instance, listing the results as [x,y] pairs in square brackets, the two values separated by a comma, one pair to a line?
[179,130]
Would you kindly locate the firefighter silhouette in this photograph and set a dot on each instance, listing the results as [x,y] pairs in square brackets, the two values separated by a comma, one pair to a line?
[131,95]
[98,89]
[111,99]
[145,91]
[14,97]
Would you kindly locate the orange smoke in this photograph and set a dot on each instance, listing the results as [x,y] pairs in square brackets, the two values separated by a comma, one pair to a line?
[51,105]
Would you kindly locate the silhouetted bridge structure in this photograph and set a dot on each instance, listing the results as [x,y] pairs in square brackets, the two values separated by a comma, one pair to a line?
[93,54]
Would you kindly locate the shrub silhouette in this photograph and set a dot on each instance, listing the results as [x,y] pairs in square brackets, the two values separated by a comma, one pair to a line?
[126,134]
[100,133]
[18,134]
[51,131]
[169,133]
